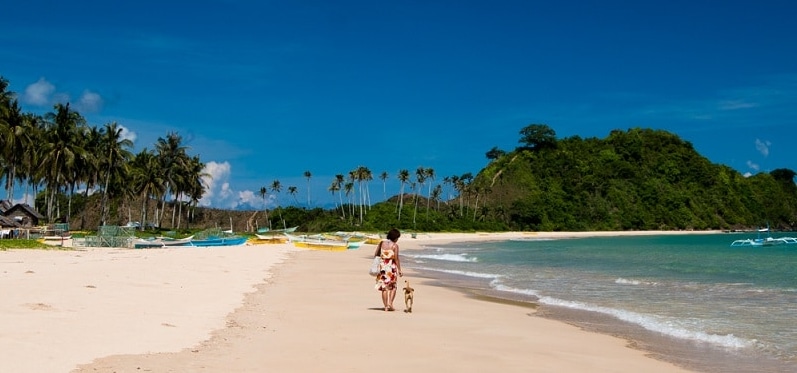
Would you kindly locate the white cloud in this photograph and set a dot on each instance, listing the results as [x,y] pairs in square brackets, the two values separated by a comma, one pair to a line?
[762,147]
[39,93]
[220,194]
[43,93]
[128,134]
[747,174]
[217,175]
[736,105]
[250,198]
[753,166]
[89,102]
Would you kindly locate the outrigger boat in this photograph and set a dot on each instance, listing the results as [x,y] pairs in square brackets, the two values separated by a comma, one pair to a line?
[765,241]
[162,242]
[317,242]
[269,238]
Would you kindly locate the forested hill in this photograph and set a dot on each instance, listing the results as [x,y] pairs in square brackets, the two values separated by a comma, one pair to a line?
[639,179]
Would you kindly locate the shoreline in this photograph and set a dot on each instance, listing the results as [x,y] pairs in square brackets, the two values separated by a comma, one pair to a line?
[284,319]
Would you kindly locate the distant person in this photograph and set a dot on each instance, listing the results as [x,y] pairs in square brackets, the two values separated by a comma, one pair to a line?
[389,268]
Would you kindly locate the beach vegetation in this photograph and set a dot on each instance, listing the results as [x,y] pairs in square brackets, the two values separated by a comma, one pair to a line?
[18,244]
[634,179]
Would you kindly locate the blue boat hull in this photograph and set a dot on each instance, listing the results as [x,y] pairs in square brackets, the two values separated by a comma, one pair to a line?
[222,241]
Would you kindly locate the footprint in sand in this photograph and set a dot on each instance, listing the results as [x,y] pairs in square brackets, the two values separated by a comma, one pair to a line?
[39,306]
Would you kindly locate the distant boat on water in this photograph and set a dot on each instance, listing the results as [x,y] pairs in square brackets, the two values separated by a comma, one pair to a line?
[765,241]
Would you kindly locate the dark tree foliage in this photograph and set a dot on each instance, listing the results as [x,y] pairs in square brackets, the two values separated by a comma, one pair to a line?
[632,180]
[495,153]
[639,179]
[537,137]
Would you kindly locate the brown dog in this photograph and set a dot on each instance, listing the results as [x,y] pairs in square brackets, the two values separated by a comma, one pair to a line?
[408,296]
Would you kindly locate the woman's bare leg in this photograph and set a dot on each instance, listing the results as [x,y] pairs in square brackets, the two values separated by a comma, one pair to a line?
[392,295]
[384,299]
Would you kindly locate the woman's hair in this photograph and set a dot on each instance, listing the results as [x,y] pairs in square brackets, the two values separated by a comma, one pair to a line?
[393,235]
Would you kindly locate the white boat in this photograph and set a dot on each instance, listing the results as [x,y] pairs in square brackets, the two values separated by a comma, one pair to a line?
[142,243]
[323,241]
[275,231]
[765,241]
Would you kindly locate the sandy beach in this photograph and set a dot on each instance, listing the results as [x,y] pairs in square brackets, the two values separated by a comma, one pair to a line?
[273,308]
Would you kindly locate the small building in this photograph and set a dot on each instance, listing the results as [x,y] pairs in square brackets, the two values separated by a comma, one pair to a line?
[5,205]
[8,227]
[24,215]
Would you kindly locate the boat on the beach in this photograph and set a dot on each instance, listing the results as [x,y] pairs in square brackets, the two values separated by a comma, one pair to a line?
[321,245]
[354,244]
[358,236]
[216,237]
[160,242]
[269,238]
[219,241]
[275,231]
[317,242]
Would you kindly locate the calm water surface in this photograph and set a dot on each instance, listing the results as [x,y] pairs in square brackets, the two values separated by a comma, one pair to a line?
[690,299]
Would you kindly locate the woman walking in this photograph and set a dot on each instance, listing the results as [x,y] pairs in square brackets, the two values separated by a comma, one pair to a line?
[389,268]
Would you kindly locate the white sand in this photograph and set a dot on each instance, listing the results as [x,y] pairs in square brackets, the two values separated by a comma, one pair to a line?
[191,309]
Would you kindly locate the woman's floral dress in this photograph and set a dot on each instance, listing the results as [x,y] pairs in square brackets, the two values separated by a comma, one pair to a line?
[388,272]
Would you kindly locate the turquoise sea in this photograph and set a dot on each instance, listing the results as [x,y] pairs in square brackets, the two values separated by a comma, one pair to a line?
[690,299]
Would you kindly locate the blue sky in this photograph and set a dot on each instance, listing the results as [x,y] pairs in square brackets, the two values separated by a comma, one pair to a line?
[265,90]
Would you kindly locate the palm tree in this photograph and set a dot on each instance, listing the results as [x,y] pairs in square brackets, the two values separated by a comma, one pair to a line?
[340,180]
[194,184]
[383,176]
[6,97]
[276,187]
[420,176]
[148,181]
[89,166]
[361,175]
[32,170]
[292,191]
[308,175]
[348,187]
[173,159]
[437,192]
[15,140]
[114,156]
[263,193]
[403,176]
[335,188]
[61,148]
[367,176]
[429,175]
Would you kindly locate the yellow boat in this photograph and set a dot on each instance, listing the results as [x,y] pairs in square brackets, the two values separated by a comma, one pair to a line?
[268,238]
[322,245]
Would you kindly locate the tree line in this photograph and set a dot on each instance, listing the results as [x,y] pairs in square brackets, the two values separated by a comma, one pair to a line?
[61,153]
[638,179]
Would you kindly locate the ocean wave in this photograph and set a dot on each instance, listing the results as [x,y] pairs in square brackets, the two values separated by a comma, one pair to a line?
[462,273]
[626,281]
[499,287]
[651,323]
[462,258]
[532,239]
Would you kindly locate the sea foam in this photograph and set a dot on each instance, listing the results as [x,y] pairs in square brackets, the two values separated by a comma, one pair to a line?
[652,323]
[447,257]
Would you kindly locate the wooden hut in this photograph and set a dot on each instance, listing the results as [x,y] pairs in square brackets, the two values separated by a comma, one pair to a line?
[24,215]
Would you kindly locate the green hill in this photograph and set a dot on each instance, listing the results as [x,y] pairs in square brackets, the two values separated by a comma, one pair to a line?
[639,179]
